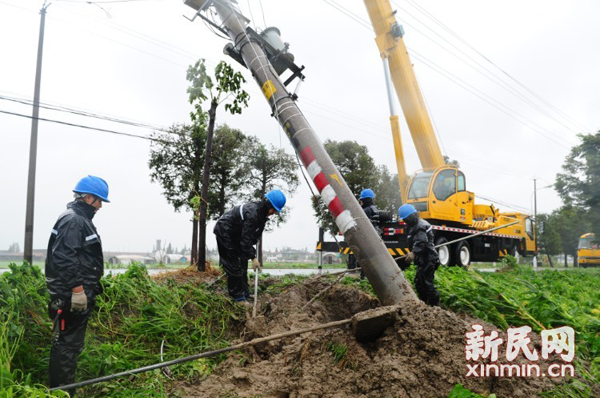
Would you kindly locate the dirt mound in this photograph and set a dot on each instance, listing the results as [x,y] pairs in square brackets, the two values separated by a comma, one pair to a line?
[421,355]
[189,275]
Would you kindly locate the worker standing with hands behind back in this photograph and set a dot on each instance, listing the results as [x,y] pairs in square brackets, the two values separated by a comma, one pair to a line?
[237,231]
[422,252]
[74,266]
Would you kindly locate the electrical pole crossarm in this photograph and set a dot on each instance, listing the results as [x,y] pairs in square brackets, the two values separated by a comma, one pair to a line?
[386,278]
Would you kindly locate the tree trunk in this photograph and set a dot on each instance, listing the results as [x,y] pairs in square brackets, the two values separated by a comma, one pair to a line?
[566,264]
[205,180]
[575,260]
[194,254]
[550,260]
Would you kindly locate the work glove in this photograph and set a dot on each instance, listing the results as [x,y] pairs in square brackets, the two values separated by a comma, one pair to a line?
[408,259]
[256,265]
[78,301]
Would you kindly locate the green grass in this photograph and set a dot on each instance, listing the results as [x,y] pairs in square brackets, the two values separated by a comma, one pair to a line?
[6,264]
[134,316]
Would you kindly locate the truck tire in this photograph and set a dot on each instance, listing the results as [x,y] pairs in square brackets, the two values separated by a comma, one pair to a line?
[462,254]
[444,253]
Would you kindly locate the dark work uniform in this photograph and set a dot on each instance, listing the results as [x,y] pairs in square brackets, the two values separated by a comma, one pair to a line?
[372,213]
[420,241]
[74,259]
[237,232]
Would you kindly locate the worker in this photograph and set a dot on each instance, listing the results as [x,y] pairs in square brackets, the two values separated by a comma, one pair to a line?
[74,266]
[237,231]
[422,252]
[366,198]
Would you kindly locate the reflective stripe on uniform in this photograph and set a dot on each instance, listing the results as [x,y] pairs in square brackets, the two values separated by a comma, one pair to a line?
[55,232]
[241,212]
[88,238]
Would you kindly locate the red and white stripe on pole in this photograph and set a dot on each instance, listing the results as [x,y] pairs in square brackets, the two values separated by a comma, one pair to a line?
[343,217]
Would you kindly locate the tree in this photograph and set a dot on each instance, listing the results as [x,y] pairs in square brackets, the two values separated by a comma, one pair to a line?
[176,158]
[226,88]
[270,168]
[571,223]
[579,183]
[229,171]
[359,171]
[548,235]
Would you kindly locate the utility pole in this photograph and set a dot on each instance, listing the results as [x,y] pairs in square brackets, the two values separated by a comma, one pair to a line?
[387,280]
[28,250]
[535,221]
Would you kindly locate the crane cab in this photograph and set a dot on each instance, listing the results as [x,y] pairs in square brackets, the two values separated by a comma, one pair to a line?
[441,195]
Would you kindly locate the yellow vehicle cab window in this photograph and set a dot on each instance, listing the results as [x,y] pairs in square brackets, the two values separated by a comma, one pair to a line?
[445,184]
[419,187]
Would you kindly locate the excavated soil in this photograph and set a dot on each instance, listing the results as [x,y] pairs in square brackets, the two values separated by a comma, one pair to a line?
[421,355]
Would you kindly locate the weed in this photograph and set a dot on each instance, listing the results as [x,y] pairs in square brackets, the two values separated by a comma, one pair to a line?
[338,351]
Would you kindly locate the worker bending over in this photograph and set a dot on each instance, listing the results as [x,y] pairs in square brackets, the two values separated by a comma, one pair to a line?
[422,252]
[237,231]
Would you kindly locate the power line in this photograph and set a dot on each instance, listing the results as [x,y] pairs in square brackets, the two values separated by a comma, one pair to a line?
[86,127]
[188,54]
[508,111]
[83,113]
[460,39]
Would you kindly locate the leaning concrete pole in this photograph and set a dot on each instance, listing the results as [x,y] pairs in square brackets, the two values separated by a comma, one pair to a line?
[387,280]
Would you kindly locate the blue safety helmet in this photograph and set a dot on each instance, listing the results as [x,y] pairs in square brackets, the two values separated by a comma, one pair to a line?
[277,199]
[93,185]
[406,210]
[367,193]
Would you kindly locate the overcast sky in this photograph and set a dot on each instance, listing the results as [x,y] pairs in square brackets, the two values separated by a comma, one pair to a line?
[128,60]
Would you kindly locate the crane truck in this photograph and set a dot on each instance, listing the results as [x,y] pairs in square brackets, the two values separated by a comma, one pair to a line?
[438,191]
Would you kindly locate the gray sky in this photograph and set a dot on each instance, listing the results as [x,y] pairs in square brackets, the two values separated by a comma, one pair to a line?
[132,66]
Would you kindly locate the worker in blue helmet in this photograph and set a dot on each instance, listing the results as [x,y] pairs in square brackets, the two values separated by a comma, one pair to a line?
[237,231]
[422,253]
[74,266]
[367,202]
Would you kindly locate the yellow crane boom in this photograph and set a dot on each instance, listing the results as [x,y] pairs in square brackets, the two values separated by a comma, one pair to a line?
[391,47]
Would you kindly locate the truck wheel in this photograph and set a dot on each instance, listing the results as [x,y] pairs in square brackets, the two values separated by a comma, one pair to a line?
[463,254]
[443,252]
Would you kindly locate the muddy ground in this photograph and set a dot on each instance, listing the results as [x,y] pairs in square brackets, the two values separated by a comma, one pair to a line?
[421,355]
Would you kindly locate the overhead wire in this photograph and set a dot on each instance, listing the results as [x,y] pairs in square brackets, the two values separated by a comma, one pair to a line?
[459,38]
[480,68]
[183,52]
[493,102]
[363,23]
[84,126]
[59,108]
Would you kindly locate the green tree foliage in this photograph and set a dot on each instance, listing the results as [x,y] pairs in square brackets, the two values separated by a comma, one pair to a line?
[579,183]
[175,159]
[548,236]
[229,171]
[359,171]
[572,223]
